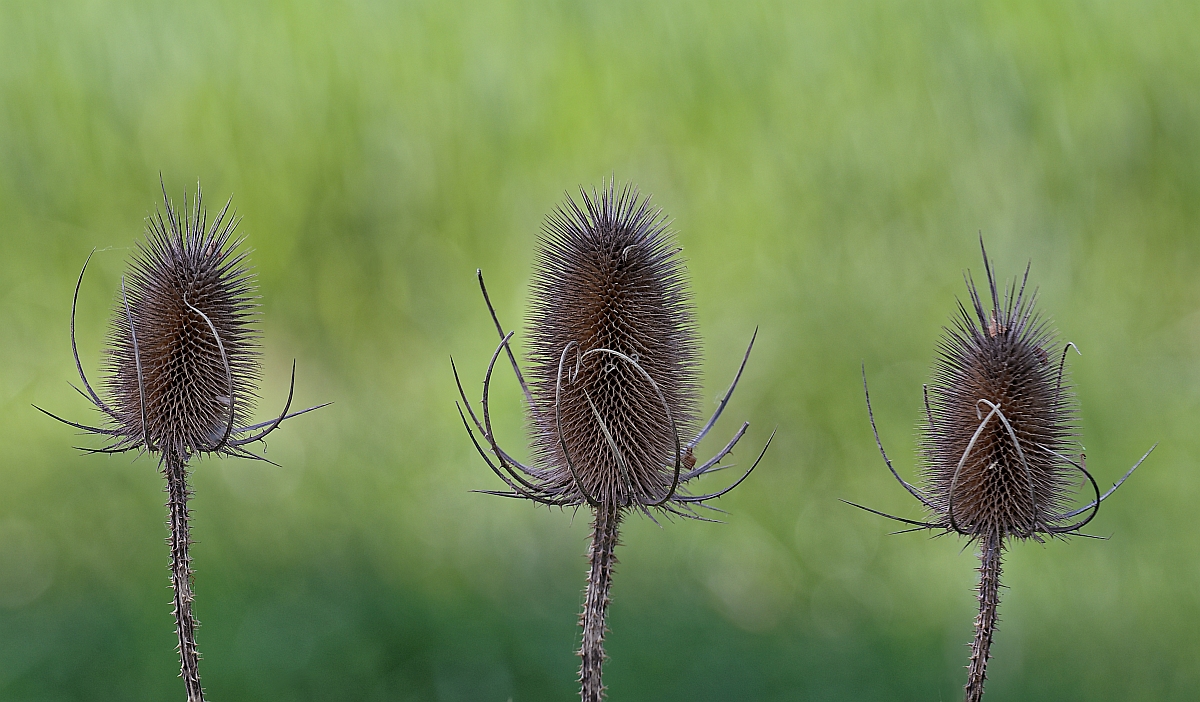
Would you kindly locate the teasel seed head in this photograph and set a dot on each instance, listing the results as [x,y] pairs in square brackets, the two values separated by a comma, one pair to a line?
[1001,418]
[609,312]
[182,361]
[613,363]
[183,358]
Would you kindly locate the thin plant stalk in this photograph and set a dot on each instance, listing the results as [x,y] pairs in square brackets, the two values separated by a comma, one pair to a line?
[990,556]
[601,559]
[182,578]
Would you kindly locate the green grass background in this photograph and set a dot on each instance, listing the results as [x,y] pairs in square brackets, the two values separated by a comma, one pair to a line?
[828,167]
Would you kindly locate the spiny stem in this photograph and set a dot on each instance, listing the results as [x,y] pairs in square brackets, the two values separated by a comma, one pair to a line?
[985,624]
[595,603]
[181,573]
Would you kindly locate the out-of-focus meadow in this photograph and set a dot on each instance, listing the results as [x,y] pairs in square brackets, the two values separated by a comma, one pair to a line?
[828,167]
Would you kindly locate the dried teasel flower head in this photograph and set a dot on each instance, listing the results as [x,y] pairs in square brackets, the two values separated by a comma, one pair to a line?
[1000,420]
[613,353]
[182,361]
[999,416]
[612,364]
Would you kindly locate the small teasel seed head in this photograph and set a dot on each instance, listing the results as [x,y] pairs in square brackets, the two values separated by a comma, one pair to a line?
[180,369]
[613,350]
[1000,417]
[183,362]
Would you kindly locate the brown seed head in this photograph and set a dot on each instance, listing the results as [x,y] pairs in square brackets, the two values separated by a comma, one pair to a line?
[182,359]
[613,352]
[612,356]
[1000,418]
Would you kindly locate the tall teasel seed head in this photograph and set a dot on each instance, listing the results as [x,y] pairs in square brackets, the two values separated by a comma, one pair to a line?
[613,354]
[613,386]
[613,350]
[183,359]
[999,418]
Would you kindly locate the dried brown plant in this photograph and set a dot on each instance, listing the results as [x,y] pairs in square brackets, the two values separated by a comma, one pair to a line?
[181,369]
[999,420]
[612,367]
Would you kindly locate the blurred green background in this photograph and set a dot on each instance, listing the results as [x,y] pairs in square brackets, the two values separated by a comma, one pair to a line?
[828,167]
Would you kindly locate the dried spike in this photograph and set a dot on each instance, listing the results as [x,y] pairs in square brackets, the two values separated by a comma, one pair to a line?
[728,394]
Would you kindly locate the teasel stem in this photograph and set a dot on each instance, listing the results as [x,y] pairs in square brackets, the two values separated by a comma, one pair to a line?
[985,624]
[601,560]
[178,493]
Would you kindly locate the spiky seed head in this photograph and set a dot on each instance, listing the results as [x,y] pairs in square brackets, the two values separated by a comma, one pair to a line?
[1000,419]
[609,278]
[188,286]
